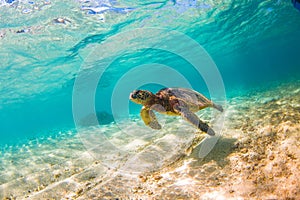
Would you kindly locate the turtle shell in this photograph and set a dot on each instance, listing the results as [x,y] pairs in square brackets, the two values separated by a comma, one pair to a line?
[194,100]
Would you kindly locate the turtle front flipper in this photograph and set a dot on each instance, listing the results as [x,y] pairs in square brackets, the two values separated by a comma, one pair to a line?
[191,117]
[149,118]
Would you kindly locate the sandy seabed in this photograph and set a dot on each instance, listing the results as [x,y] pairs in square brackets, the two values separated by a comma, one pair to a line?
[257,157]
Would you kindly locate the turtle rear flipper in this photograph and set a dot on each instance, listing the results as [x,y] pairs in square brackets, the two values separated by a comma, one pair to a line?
[218,107]
[192,118]
[149,118]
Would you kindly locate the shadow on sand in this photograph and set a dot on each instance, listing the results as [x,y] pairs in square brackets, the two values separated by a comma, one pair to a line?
[223,148]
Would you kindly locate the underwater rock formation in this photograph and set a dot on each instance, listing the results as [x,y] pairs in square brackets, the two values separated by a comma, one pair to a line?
[102,117]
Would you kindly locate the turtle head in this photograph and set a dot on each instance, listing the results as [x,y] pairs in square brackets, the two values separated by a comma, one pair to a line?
[143,97]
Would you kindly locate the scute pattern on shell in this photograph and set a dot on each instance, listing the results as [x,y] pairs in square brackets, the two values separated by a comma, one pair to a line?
[188,96]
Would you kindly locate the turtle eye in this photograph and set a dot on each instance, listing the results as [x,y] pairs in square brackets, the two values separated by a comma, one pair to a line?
[135,94]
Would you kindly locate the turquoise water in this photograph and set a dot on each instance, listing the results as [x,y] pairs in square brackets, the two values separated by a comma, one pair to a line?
[68,129]
[252,44]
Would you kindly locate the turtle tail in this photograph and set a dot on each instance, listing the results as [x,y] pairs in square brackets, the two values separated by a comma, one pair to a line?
[218,107]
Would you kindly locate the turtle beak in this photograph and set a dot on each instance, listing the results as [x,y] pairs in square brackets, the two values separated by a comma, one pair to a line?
[133,94]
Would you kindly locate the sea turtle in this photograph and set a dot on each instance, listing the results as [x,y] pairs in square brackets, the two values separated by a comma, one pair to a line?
[173,101]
